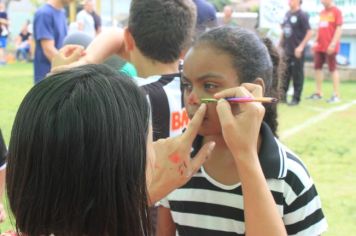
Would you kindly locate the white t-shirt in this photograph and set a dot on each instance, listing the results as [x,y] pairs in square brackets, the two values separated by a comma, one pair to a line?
[87,21]
[164,95]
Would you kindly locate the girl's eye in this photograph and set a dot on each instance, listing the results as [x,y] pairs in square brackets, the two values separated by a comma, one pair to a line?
[187,86]
[209,86]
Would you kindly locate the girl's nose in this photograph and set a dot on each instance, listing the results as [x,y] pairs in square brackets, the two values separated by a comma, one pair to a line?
[193,99]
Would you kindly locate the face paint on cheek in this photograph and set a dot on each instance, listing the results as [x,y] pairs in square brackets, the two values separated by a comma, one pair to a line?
[175,158]
[190,99]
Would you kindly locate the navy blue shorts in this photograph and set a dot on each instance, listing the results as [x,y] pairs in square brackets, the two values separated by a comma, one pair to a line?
[3,42]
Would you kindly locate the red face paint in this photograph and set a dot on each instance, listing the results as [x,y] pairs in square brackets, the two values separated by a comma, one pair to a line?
[193,99]
[175,158]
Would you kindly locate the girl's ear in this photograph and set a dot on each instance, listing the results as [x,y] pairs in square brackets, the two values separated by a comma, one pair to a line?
[261,83]
[129,40]
[182,54]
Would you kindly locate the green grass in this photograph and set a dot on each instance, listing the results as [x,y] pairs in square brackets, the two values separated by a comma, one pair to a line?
[327,147]
[15,81]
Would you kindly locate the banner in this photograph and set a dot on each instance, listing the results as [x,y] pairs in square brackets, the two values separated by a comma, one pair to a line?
[272,12]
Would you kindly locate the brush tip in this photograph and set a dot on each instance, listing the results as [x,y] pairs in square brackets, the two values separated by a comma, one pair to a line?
[207,100]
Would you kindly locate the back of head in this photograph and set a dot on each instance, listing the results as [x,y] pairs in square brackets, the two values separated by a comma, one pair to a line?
[228,11]
[77,156]
[162,29]
[78,38]
[252,58]
[88,5]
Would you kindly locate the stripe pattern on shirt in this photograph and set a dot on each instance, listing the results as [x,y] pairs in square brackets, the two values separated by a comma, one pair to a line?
[165,97]
[206,207]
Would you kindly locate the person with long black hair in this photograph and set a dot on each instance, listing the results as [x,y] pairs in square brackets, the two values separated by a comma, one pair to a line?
[81,158]
[3,153]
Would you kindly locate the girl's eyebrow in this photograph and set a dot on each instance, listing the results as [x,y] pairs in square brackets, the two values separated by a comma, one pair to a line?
[206,76]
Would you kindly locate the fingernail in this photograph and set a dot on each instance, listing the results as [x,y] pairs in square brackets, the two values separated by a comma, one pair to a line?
[221,100]
[189,173]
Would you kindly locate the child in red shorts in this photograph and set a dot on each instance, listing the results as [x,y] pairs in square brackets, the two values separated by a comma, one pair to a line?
[326,47]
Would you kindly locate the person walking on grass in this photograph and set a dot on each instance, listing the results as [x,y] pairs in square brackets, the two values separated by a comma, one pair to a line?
[326,47]
[296,34]
[3,33]
[49,29]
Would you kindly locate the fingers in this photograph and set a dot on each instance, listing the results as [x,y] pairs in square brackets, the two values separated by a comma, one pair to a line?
[200,158]
[67,56]
[249,88]
[194,125]
[56,69]
[231,92]
[68,49]
[226,117]
[254,89]
[76,54]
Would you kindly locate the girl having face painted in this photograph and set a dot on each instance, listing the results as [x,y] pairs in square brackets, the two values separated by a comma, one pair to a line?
[251,184]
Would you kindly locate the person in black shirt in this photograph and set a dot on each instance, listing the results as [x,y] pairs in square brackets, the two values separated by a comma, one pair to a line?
[296,34]
[23,44]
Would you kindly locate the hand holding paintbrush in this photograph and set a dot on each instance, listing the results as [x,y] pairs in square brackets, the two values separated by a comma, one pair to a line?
[242,99]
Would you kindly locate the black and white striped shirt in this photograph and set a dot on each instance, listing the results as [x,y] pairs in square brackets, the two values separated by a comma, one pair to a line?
[206,207]
[164,94]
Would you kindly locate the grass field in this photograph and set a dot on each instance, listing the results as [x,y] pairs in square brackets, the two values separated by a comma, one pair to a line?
[324,135]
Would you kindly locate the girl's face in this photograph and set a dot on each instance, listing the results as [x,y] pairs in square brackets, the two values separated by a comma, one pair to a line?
[206,71]
[150,157]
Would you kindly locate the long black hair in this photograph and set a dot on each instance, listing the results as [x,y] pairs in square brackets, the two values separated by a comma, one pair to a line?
[77,156]
[253,58]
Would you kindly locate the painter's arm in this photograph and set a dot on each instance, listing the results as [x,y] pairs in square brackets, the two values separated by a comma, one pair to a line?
[165,224]
[109,42]
[174,166]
